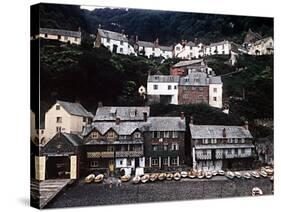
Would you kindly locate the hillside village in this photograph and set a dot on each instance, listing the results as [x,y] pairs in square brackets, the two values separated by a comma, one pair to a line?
[183,108]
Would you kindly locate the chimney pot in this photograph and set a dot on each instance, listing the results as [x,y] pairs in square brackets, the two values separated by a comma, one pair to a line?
[246,125]
[100,104]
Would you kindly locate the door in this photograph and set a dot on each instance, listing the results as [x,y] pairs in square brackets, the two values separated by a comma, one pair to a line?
[58,167]
[111,165]
[114,48]
[137,162]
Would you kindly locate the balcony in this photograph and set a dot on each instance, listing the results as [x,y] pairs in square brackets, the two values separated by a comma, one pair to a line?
[203,156]
[100,154]
[121,154]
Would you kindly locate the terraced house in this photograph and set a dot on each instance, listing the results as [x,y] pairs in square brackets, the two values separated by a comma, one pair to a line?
[164,142]
[216,147]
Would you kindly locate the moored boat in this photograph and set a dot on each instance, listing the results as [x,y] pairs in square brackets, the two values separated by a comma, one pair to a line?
[177,176]
[169,176]
[263,173]
[125,178]
[99,178]
[269,170]
[256,191]
[208,174]
[145,178]
[214,172]
[221,172]
[191,174]
[162,176]
[200,174]
[153,177]
[90,178]
[237,174]
[184,174]
[247,175]
[229,174]
[136,179]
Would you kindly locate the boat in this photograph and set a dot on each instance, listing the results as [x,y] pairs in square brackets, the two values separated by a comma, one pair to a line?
[184,174]
[162,176]
[153,177]
[255,174]
[237,174]
[89,178]
[229,174]
[221,172]
[214,172]
[169,176]
[191,174]
[256,191]
[177,176]
[136,179]
[200,174]
[269,170]
[208,174]
[145,178]
[247,175]
[263,173]
[125,178]
[272,178]
[99,178]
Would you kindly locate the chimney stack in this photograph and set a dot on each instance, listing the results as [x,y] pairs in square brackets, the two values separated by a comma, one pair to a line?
[191,120]
[137,38]
[100,104]
[157,42]
[99,26]
[117,121]
[145,116]
[182,115]
[246,125]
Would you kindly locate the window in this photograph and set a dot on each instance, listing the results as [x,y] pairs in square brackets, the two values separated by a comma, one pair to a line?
[175,134]
[175,87]
[108,47]
[200,89]
[137,135]
[165,161]
[242,151]
[174,161]
[158,134]
[166,134]
[94,163]
[110,134]
[204,152]
[215,98]
[108,40]
[229,151]
[236,151]
[75,39]
[95,135]
[65,38]
[155,87]
[46,35]
[175,146]
[121,50]
[215,90]
[59,119]
[129,162]
[42,131]
[178,48]
[58,129]
[169,87]
[121,43]
[121,162]
[165,147]
[154,147]
[193,88]
[84,119]
[239,140]
[153,49]
[154,134]
[59,37]
[57,107]
[154,162]
[110,149]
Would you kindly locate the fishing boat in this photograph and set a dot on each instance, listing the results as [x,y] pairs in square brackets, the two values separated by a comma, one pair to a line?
[200,174]
[145,178]
[255,174]
[184,174]
[208,174]
[214,172]
[229,174]
[136,179]
[153,177]
[125,178]
[89,178]
[191,174]
[247,175]
[162,176]
[263,173]
[221,172]
[256,191]
[177,176]
[169,176]
[99,178]
[237,174]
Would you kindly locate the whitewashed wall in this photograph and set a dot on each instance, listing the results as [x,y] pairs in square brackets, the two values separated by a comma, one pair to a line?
[218,95]
[163,90]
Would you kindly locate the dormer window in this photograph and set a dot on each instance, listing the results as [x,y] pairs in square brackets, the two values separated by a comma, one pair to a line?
[137,135]
[110,134]
[84,119]
[95,135]
[59,119]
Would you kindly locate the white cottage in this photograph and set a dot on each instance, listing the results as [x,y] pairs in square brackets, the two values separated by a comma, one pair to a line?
[220,48]
[262,47]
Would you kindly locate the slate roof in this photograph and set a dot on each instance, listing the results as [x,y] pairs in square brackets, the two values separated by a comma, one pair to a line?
[75,139]
[112,35]
[163,78]
[124,113]
[219,43]
[190,43]
[238,48]
[215,80]
[60,32]
[262,40]
[75,108]
[165,124]
[145,44]
[166,48]
[187,63]
[223,146]
[216,131]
